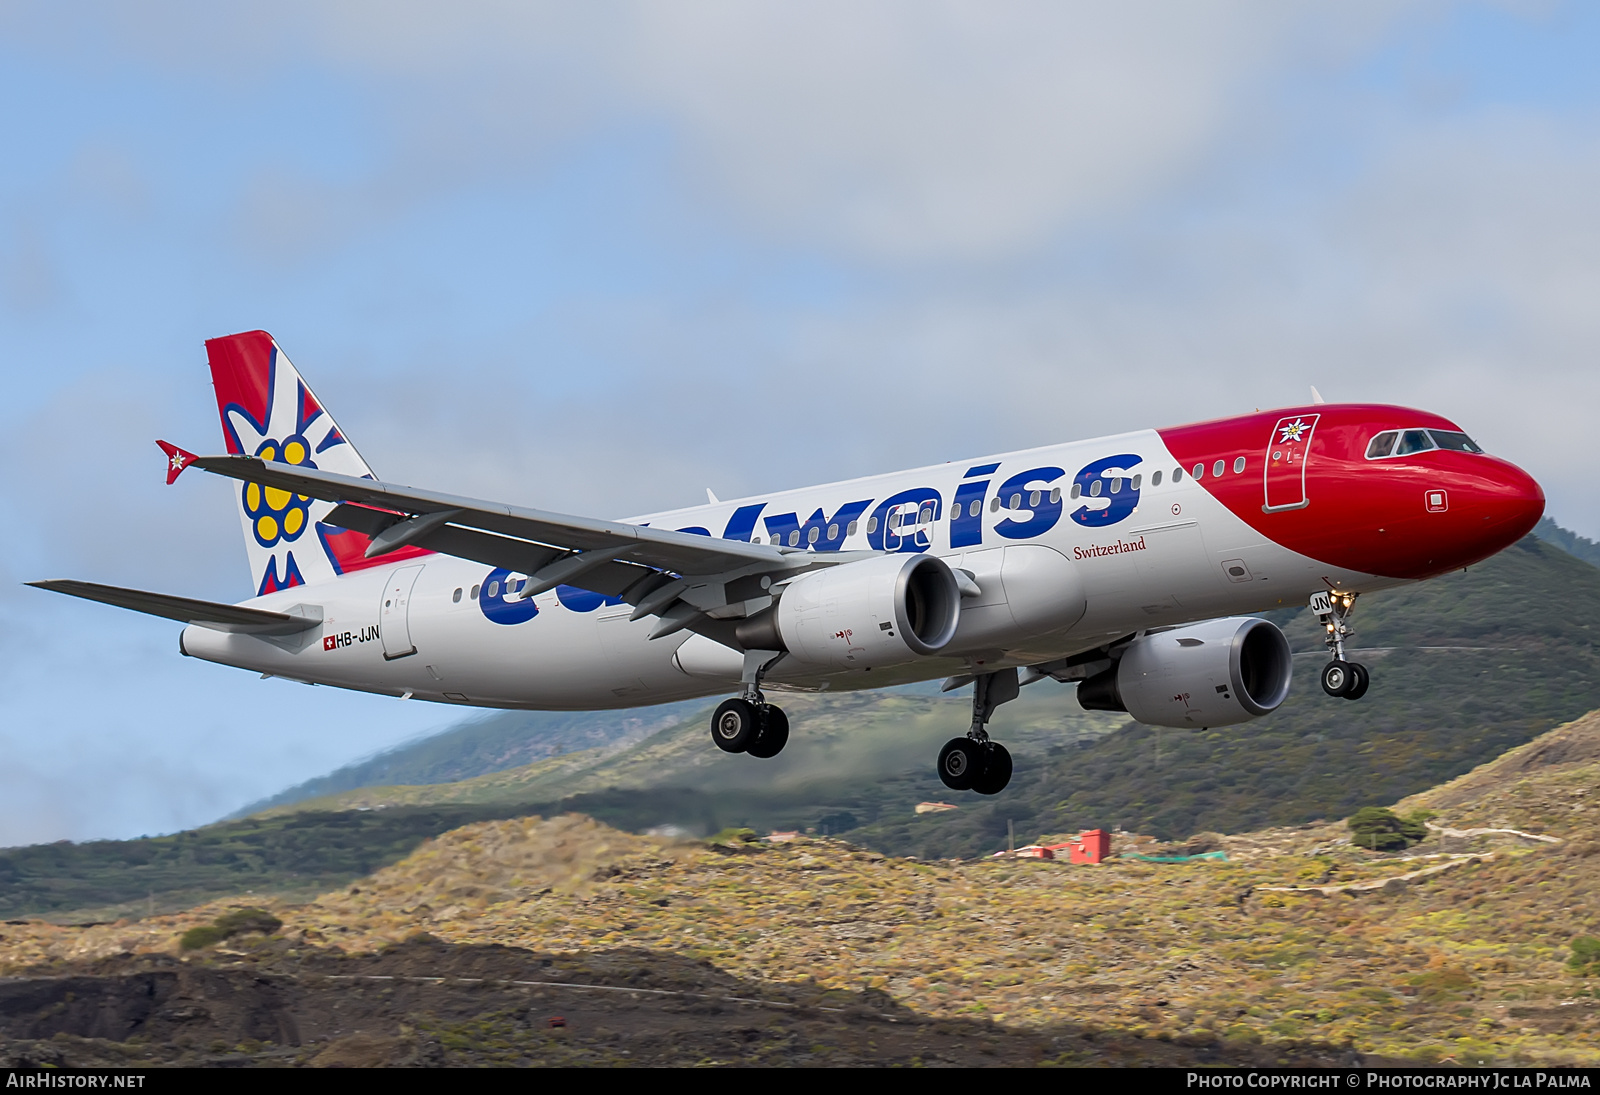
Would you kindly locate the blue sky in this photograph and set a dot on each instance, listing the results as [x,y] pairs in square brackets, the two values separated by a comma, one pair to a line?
[598,257]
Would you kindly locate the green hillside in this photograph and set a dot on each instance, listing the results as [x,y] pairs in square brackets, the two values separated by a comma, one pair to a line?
[490,743]
[1568,541]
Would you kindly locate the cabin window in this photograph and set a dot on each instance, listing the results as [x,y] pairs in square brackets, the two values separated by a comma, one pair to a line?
[1177,475]
[872,524]
[474,593]
[1076,490]
[776,539]
[794,538]
[1199,471]
[1055,495]
[455,598]
[925,516]
[1455,441]
[1219,467]
[1016,501]
[1033,498]
[1136,479]
[1414,441]
[815,534]
[1094,489]
[976,507]
[850,529]
[1116,484]
[1382,445]
[994,504]
[1238,465]
[494,591]
[1155,480]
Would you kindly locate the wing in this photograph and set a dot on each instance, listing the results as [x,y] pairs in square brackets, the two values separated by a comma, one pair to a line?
[218,617]
[692,581]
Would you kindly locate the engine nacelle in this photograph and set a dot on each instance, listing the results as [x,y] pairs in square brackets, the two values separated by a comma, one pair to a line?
[878,612]
[1208,674]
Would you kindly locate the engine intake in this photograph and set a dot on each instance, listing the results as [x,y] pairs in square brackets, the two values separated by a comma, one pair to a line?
[884,611]
[1210,674]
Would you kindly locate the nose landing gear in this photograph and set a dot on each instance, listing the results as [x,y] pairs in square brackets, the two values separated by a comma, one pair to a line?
[748,723]
[974,763]
[1341,677]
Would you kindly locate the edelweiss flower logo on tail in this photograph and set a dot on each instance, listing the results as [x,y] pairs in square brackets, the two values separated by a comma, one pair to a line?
[268,411]
[277,515]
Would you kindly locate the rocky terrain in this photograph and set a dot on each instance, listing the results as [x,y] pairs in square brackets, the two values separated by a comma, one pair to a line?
[1299,948]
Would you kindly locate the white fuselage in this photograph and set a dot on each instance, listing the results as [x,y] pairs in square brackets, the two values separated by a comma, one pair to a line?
[443,629]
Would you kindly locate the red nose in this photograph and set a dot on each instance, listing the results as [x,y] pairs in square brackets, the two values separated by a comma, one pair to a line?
[1504,503]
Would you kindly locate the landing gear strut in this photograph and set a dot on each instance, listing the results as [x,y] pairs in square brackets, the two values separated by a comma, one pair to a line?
[974,762]
[748,723]
[1341,677]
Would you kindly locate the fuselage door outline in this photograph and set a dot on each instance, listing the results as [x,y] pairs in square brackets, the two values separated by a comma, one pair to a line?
[1284,477]
[394,613]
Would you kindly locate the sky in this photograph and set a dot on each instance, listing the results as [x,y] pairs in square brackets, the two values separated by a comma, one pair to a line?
[598,257]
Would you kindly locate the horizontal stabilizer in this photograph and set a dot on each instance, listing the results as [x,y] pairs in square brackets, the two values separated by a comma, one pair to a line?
[218,617]
[177,460]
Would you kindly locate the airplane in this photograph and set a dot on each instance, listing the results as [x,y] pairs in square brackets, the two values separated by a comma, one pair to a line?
[1128,564]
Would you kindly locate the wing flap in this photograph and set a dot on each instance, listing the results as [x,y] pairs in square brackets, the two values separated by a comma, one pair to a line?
[217,617]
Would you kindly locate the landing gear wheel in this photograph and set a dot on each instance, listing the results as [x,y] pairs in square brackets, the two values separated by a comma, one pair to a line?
[1338,678]
[960,762]
[1358,687]
[774,734]
[996,773]
[735,725]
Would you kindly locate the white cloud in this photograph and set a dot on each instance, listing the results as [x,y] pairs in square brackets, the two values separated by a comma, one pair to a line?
[900,131]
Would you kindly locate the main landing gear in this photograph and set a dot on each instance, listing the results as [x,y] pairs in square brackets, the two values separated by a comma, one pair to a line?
[748,723]
[974,763]
[1340,677]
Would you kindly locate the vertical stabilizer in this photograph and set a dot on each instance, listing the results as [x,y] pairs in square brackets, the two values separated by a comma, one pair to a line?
[269,411]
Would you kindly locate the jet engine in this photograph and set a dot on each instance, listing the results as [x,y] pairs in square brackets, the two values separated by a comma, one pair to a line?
[884,611]
[1208,674]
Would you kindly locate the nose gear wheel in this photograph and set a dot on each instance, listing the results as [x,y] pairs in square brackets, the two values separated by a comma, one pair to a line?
[1342,678]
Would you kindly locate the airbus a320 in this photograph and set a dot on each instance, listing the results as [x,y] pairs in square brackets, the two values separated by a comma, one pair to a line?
[1128,564]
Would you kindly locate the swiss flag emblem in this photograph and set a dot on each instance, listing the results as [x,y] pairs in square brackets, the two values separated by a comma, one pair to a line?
[1437,501]
[329,642]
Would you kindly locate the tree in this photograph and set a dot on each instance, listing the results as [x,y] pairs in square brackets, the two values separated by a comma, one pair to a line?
[1382,830]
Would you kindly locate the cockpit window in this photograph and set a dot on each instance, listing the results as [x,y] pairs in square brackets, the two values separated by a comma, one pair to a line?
[1407,442]
[1413,441]
[1459,442]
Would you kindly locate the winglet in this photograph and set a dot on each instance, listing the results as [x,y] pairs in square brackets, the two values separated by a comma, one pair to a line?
[177,460]
[1316,396]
